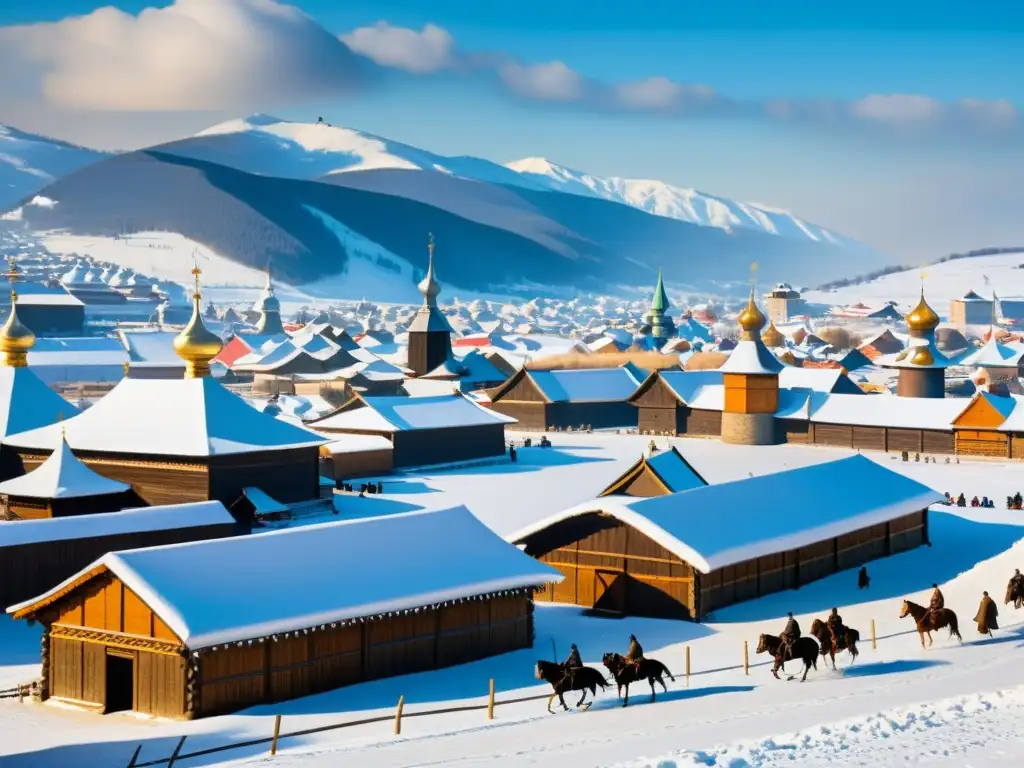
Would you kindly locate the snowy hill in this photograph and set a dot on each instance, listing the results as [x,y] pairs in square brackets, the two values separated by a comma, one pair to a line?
[29,162]
[663,199]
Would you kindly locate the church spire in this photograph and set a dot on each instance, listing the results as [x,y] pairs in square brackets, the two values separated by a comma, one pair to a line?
[429,286]
[15,338]
[196,344]
[270,311]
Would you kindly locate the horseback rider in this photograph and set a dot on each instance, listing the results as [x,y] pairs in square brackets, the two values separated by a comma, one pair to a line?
[789,637]
[937,603]
[1018,581]
[635,654]
[835,626]
[572,663]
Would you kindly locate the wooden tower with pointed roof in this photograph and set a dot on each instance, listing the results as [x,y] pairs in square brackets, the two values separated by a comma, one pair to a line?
[662,327]
[922,367]
[270,311]
[430,335]
[751,379]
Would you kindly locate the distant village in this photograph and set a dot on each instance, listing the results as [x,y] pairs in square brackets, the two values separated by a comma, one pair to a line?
[161,455]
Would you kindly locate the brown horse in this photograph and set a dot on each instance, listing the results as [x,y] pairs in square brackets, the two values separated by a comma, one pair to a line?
[930,622]
[805,649]
[582,679]
[626,672]
[1014,594]
[848,640]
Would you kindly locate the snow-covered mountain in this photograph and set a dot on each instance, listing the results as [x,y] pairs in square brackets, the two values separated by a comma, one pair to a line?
[29,162]
[663,199]
[273,147]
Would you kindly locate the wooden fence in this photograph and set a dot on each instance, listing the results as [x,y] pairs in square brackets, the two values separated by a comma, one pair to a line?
[400,714]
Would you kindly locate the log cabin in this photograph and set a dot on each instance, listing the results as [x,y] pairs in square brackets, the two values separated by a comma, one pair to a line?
[37,554]
[573,398]
[683,555]
[180,631]
[435,429]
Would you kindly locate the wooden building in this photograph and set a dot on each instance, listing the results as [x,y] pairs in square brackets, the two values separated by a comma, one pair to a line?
[37,554]
[573,398]
[680,403]
[63,486]
[182,440]
[436,429]
[180,631]
[686,554]
[353,456]
[990,425]
[430,334]
[657,474]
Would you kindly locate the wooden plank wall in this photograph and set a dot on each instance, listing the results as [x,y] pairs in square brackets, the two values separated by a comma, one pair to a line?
[288,476]
[704,423]
[659,421]
[531,416]
[440,446]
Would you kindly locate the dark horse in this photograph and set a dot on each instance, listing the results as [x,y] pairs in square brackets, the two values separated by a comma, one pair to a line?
[626,672]
[1014,594]
[930,622]
[805,649]
[847,641]
[583,679]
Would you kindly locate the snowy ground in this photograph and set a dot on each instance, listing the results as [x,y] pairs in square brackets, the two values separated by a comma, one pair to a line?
[943,283]
[897,705]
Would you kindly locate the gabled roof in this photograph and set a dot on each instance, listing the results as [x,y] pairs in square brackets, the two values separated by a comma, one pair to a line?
[586,385]
[871,410]
[27,403]
[727,523]
[170,417]
[204,590]
[994,355]
[404,414]
[671,471]
[61,476]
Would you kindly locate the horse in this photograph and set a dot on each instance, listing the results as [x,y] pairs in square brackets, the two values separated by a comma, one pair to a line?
[930,622]
[848,640]
[626,672]
[805,649]
[1014,594]
[582,679]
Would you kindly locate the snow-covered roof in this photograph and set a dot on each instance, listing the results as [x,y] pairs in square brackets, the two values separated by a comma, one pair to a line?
[27,403]
[201,513]
[153,347]
[675,471]
[61,476]
[358,444]
[751,357]
[170,417]
[586,385]
[76,351]
[994,355]
[871,410]
[400,414]
[204,590]
[714,526]
[262,502]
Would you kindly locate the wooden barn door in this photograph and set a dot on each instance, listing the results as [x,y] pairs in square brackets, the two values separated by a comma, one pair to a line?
[609,591]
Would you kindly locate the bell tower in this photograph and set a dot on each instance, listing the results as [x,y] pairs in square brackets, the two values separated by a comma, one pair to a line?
[430,335]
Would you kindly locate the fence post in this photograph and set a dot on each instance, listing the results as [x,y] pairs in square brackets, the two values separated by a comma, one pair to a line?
[687,666]
[398,715]
[135,757]
[490,701]
[874,643]
[746,658]
[277,732]
[177,751]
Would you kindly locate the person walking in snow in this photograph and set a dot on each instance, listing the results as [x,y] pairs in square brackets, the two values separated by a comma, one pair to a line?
[986,616]
[863,580]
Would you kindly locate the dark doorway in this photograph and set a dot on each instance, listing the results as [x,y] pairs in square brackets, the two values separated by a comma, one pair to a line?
[120,683]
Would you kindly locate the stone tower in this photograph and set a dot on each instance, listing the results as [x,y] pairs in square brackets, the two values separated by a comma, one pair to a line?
[430,335]
[751,379]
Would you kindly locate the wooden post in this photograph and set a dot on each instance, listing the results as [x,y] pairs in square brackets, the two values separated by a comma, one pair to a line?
[490,702]
[746,658]
[277,732]
[874,643]
[177,751]
[687,666]
[398,715]
[135,757]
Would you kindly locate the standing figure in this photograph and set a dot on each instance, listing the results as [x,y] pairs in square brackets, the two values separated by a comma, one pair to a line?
[863,580]
[986,617]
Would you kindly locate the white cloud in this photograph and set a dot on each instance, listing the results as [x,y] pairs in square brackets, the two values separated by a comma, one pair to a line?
[429,50]
[551,81]
[898,108]
[191,55]
[661,94]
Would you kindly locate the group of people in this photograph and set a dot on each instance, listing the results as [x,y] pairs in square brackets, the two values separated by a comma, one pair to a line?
[634,655]
[984,501]
[1015,502]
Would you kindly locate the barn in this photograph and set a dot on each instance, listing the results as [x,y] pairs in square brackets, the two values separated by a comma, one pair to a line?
[436,429]
[990,425]
[574,398]
[683,555]
[180,631]
[657,474]
[36,554]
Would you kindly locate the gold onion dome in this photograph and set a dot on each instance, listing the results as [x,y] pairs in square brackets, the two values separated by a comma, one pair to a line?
[16,339]
[922,317]
[923,356]
[196,344]
[751,319]
[772,336]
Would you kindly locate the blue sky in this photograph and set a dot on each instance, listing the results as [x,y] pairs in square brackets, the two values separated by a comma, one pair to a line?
[950,181]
